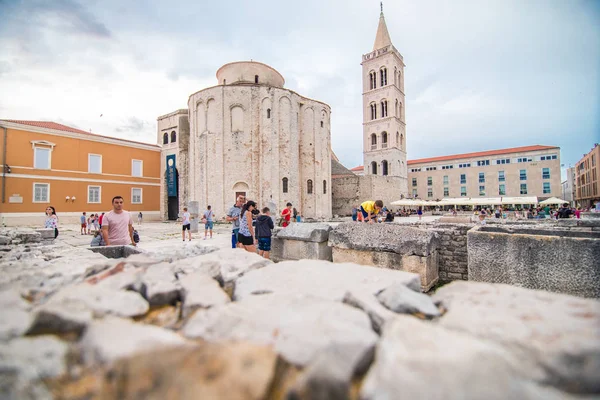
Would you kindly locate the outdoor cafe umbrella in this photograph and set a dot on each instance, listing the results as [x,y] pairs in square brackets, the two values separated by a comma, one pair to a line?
[408,203]
[553,200]
[520,200]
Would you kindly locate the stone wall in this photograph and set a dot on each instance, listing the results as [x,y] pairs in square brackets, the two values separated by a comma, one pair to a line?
[453,255]
[353,190]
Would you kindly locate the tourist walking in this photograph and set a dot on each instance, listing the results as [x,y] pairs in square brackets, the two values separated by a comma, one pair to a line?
[233,216]
[286,214]
[264,226]
[186,224]
[420,212]
[369,210]
[246,233]
[51,220]
[208,221]
[100,220]
[117,225]
[564,212]
[140,217]
[83,221]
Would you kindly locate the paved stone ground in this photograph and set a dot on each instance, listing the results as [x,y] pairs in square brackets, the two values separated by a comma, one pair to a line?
[161,232]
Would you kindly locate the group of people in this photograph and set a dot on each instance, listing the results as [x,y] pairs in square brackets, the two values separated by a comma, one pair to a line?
[112,228]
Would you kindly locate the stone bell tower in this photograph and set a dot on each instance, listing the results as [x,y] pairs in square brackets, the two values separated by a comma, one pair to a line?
[384,127]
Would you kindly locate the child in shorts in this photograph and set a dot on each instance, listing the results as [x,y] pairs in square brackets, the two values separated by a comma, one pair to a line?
[264,225]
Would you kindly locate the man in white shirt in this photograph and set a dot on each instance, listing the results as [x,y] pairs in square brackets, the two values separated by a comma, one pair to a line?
[186,224]
[117,225]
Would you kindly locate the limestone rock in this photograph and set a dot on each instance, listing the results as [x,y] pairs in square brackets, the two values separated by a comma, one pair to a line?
[106,340]
[101,300]
[160,284]
[170,252]
[200,291]
[232,371]
[14,315]
[420,360]
[556,334]
[395,238]
[401,299]
[320,279]
[24,362]
[367,302]
[298,328]
[329,375]
[4,240]
[306,232]
[60,318]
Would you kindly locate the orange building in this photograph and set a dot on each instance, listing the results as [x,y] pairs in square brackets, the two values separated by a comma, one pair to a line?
[45,163]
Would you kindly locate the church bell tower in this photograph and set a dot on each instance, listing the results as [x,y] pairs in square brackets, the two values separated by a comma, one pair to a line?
[384,126]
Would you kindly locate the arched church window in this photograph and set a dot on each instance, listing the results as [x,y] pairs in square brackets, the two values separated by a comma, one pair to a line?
[373,80]
[374,168]
[373,141]
[384,140]
[224,81]
[321,124]
[173,137]
[383,74]
[395,76]
[400,110]
[166,138]
[401,141]
[373,111]
[268,113]
[384,167]
[309,186]
[324,187]
[398,140]
[384,112]
[255,78]
[396,110]
[284,184]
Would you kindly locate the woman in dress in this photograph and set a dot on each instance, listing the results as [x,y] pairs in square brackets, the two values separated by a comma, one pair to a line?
[51,220]
[246,232]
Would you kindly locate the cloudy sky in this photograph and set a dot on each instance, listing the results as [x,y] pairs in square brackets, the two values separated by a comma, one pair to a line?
[480,75]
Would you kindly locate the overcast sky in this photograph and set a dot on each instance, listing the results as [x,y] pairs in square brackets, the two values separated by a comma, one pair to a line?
[480,75]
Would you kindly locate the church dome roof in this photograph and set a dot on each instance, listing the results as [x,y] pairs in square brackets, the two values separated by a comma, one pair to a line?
[249,72]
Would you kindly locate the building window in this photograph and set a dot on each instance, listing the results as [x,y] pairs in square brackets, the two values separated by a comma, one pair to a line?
[373,79]
[321,124]
[269,114]
[309,186]
[464,165]
[373,111]
[136,196]
[373,142]
[524,159]
[374,168]
[548,158]
[93,194]
[41,157]
[502,190]
[414,193]
[501,177]
[481,177]
[173,137]
[384,140]
[414,181]
[166,138]
[383,73]
[523,174]
[137,168]
[463,191]
[446,192]
[445,179]
[523,188]
[429,181]
[384,167]
[481,190]
[546,187]
[384,109]
[463,179]
[94,163]
[255,78]
[483,163]
[41,192]
[545,173]
[324,187]
[429,192]
[503,161]
[284,185]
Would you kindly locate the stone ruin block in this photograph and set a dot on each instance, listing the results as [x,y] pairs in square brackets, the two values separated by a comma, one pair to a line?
[301,241]
[47,235]
[462,219]
[115,251]
[391,246]
[563,260]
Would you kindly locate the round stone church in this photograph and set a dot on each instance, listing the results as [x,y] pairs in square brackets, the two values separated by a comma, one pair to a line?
[247,135]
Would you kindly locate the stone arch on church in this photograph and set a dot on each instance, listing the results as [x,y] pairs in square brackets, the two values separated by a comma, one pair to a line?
[240,188]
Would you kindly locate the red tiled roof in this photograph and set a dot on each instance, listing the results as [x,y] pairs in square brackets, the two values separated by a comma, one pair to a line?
[359,168]
[60,127]
[482,154]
